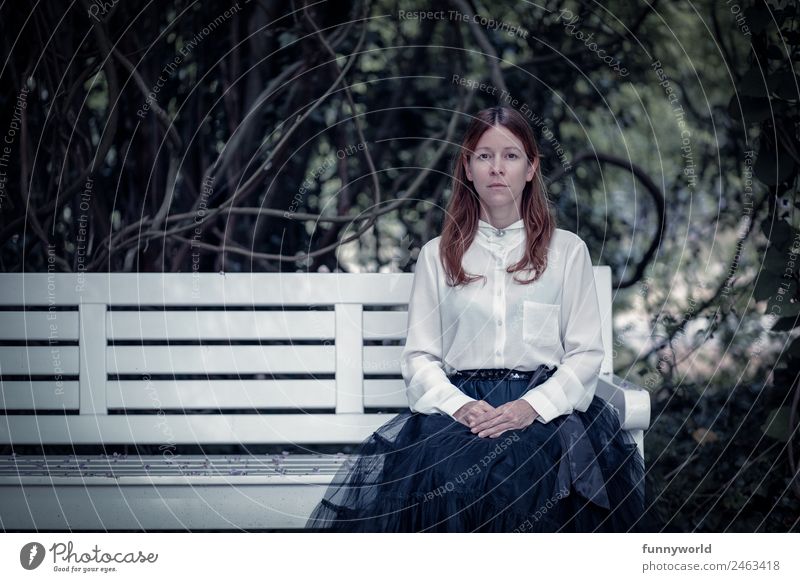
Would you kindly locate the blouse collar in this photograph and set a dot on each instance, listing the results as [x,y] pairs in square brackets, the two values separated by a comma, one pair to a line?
[486,227]
[504,237]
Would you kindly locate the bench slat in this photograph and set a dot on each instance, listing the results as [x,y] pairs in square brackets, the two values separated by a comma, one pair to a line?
[385,393]
[385,325]
[38,325]
[299,359]
[51,395]
[39,360]
[191,428]
[221,394]
[160,503]
[220,325]
[181,289]
[382,359]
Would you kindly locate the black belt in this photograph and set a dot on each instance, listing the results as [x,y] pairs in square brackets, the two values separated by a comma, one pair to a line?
[501,373]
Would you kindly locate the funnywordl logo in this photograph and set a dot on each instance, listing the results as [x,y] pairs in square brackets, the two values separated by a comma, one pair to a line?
[31,555]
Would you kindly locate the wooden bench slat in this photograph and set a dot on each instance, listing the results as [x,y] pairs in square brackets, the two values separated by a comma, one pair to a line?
[206,289]
[39,360]
[221,394]
[220,325]
[203,359]
[160,503]
[382,359]
[208,429]
[385,393]
[39,325]
[32,395]
[385,325]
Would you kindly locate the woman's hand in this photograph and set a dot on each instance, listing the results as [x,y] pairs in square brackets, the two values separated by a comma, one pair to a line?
[509,416]
[472,411]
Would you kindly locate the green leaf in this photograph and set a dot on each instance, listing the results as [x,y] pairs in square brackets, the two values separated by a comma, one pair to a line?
[786,324]
[783,84]
[794,348]
[780,234]
[766,286]
[749,110]
[775,259]
[771,168]
[754,84]
[757,18]
[777,424]
[774,53]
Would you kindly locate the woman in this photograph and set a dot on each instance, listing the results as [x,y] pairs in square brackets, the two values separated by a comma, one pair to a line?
[504,432]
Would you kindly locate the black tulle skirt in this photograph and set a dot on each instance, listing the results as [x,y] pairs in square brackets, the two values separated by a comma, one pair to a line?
[430,473]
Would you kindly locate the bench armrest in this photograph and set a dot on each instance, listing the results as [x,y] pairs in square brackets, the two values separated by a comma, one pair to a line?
[632,401]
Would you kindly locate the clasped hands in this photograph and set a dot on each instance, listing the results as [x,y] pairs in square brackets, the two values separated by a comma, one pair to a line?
[485,420]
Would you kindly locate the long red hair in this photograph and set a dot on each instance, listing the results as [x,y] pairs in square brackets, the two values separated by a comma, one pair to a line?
[463,211]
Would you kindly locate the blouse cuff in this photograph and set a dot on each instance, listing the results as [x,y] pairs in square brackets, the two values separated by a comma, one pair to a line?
[451,405]
[445,398]
[560,394]
[541,404]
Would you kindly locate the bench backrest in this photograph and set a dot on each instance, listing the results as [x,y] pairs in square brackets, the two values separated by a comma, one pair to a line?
[188,358]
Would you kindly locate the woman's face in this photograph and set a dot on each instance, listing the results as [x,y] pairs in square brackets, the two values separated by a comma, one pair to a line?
[499,169]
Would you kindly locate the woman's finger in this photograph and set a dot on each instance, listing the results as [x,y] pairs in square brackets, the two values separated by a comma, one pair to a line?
[486,416]
[489,423]
[496,431]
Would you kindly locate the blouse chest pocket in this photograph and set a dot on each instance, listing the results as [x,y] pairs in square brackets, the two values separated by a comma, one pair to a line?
[540,323]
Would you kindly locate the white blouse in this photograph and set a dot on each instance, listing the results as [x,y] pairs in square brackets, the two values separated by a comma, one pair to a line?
[500,323]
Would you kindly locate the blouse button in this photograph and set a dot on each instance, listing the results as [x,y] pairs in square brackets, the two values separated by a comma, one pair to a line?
[497,353]
[499,322]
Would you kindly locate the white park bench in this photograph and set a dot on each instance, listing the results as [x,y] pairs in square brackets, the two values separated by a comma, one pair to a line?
[98,361]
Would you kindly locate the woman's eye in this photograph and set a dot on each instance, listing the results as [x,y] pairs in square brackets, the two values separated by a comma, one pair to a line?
[486,156]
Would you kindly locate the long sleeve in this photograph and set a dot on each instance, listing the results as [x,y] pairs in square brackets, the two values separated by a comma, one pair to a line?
[574,383]
[428,389]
